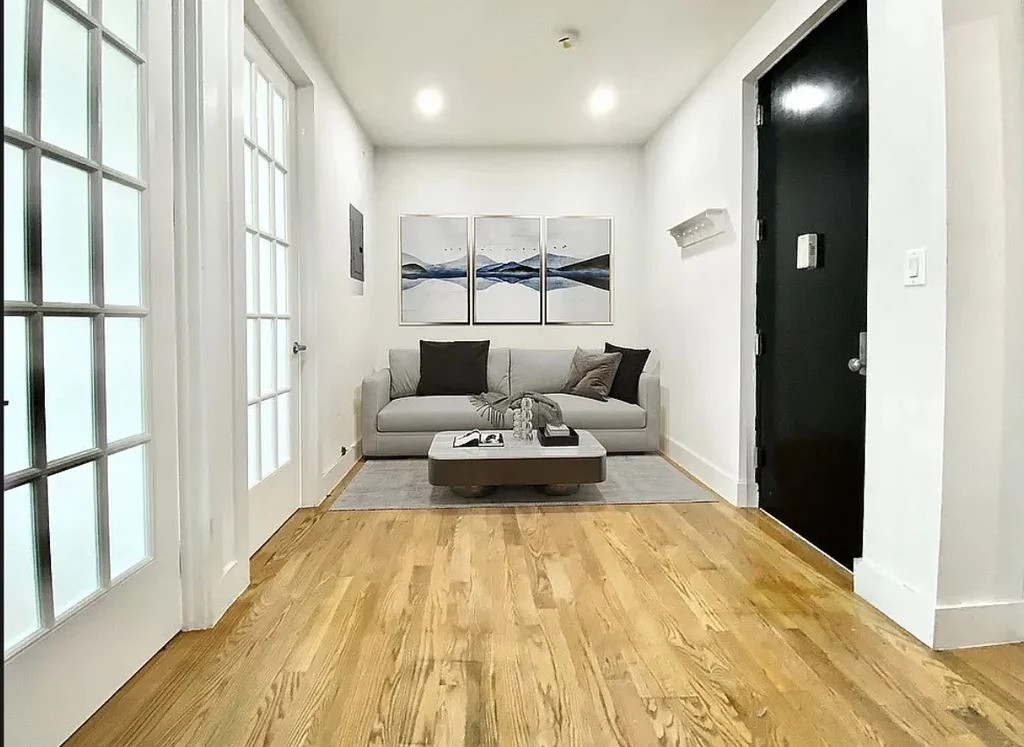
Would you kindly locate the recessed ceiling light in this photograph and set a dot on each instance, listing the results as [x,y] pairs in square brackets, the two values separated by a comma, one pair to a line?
[429,102]
[602,100]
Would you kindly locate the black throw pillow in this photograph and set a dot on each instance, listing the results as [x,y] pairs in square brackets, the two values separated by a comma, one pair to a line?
[453,367]
[626,385]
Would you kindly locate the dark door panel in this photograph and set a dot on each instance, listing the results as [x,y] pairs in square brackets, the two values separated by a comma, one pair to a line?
[813,156]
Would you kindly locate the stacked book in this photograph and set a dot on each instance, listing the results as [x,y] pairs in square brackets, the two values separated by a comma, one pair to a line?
[556,431]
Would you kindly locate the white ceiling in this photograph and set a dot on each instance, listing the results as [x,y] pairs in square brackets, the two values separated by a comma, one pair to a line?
[505,80]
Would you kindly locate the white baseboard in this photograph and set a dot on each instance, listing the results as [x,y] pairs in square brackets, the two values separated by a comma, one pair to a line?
[330,479]
[979,624]
[908,607]
[709,474]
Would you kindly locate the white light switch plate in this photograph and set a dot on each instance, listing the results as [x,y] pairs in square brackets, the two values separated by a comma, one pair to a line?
[915,267]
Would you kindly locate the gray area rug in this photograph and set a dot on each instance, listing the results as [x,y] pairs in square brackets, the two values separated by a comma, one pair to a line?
[402,484]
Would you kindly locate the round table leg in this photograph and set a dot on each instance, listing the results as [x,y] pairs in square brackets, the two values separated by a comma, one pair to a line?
[472,491]
[559,488]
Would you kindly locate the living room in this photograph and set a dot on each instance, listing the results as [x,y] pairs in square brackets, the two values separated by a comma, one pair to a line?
[760,257]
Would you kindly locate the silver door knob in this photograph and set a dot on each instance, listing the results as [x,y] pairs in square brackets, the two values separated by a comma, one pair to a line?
[857,366]
[297,347]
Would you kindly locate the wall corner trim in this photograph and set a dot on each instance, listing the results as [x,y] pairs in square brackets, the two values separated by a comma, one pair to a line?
[979,624]
[908,607]
[714,477]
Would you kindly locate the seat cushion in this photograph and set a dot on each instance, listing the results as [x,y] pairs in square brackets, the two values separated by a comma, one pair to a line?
[592,414]
[430,414]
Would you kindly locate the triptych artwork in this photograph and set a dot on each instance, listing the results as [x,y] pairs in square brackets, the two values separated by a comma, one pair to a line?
[505,269]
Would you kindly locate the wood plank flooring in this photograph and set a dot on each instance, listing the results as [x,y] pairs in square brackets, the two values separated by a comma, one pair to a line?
[626,625]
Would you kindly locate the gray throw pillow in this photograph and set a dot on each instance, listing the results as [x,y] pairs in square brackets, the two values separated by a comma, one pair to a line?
[591,374]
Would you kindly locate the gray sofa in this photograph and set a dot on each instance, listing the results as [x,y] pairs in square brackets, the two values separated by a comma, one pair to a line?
[394,425]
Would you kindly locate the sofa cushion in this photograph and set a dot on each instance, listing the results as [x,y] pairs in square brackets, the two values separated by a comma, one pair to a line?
[592,414]
[430,414]
[458,367]
[627,379]
[591,374]
[543,371]
[405,371]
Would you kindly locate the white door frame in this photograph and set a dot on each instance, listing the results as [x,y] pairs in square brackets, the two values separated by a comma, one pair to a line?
[209,48]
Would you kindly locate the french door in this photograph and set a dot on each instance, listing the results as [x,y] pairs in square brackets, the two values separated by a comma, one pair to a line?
[91,581]
[271,299]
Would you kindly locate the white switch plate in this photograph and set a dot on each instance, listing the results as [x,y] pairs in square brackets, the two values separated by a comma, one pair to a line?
[915,267]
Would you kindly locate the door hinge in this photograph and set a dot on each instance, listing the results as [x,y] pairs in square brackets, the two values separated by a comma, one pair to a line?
[759,231]
[760,115]
[759,457]
[758,343]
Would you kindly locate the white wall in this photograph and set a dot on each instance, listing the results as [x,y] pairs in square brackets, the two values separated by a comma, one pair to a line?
[981,562]
[700,313]
[335,169]
[703,299]
[549,181]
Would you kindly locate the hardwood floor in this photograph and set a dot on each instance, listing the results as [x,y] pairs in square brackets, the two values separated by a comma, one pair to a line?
[625,625]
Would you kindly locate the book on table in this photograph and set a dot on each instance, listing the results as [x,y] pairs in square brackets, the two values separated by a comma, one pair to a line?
[489,439]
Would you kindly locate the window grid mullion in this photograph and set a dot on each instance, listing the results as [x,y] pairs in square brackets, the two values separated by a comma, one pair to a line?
[98,298]
[34,326]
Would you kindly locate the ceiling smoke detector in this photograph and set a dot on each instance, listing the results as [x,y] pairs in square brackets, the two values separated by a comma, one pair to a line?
[567,39]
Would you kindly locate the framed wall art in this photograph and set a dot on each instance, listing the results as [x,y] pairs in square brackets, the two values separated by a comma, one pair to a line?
[434,269]
[578,270]
[507,269]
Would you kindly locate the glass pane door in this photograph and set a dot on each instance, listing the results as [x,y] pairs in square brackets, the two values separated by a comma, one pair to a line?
[268,100]
[76,436]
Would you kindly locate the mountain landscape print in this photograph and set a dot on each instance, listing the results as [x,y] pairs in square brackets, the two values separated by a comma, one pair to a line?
[578,271]
[506,277]
[434,269]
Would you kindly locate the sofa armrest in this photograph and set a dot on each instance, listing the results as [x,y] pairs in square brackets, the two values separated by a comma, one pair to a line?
[649,398]
[376,394]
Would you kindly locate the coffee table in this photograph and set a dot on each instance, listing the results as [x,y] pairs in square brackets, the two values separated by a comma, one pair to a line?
[476,471]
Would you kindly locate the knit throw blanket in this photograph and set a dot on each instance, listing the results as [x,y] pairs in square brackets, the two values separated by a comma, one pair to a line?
[494,406]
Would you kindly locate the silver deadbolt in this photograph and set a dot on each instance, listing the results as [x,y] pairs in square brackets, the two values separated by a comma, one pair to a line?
[860,363]
[297,347]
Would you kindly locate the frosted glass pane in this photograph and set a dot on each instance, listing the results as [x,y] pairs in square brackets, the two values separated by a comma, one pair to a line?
[254,444]
[65,227]
[267,348]
[124,378]
[122,245]
[126,485]
[14,223]
[74,557]
[284,429]
[266,277]
[247,100]
[284,378]
[68,366]
[120,111]
[248,185]
[21,610]
[263,188]
[122,17]
[251,242]
[279,131]
[17,455]
[262,112]
[65,83]
[14,64]
[282,279]
[268,436]
[252,354]
[280,204]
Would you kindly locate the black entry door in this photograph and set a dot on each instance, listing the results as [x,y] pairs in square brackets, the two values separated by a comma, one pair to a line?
[813,153]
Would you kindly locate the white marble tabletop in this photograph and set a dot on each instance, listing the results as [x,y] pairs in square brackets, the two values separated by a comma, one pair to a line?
[441,448]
